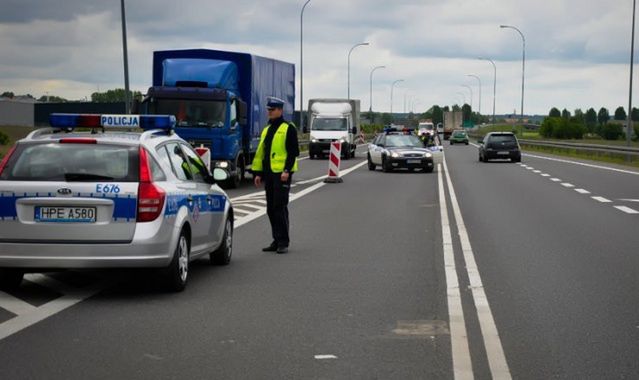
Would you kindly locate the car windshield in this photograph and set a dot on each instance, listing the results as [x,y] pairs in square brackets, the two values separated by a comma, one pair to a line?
[329,124]
[398,141]
[73,162]
[192,113]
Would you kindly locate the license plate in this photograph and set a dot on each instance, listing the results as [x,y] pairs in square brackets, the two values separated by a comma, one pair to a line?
[65,214]
[503,153]
[413,161]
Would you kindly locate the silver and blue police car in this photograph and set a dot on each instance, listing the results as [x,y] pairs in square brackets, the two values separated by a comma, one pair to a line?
[395,149]
[110,198]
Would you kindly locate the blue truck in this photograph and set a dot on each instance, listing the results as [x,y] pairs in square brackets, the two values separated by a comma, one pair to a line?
[218,99]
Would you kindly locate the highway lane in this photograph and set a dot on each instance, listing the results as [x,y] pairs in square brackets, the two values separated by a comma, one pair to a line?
[559,268]
[360,295]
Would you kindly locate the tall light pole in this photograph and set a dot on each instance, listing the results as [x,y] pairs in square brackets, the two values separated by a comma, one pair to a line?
[632,53]
[349,65]
[302,64]
[523,65]
[462,95]
[370,109]
[471,94]
[494,82]
[391,105]
[478,79]
[127,95]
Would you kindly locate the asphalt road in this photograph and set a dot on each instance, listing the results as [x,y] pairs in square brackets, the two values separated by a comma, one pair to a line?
[366,290]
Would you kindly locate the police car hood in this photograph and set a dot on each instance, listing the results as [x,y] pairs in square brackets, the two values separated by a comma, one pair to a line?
[408,149]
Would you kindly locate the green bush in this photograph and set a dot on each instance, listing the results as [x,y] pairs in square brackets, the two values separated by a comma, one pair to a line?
[371,128]
[4,139]
[611,131]
[548,126]
[561,128]
[636,128]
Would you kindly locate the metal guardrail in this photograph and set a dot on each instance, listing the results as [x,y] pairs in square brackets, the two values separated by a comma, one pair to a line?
[625,150]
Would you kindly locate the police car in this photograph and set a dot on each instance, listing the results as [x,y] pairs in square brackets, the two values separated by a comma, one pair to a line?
[110,198]
[396,149]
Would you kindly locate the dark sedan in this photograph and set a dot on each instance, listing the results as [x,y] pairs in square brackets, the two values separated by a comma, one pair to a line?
[499,145]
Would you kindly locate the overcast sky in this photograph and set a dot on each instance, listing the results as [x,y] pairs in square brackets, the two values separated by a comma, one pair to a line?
[577,51]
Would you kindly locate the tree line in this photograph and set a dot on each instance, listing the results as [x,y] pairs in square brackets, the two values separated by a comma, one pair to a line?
[109,96]
[566,125]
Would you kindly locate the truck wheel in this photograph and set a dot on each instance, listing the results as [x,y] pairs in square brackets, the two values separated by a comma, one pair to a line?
[222,255]
[10,278]
[177,273]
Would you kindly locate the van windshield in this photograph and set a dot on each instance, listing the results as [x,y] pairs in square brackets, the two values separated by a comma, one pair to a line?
[192,113]
[329,124]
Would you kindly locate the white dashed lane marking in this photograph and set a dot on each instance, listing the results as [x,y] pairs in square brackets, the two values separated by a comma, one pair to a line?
[602,199]
[627,210]
[555,179]
[582,191]
[566,184]
[545,175]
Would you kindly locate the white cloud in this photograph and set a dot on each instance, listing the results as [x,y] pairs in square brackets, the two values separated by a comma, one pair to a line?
[576,50]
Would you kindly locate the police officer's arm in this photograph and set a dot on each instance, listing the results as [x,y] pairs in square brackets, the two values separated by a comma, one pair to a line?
[292,148]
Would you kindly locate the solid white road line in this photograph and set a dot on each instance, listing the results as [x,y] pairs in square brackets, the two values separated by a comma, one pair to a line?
[582,191]
[494,350]
[40,313]
[462,365]
[566,184]
[15,305]
[582,164]
[602,199]
[627,210]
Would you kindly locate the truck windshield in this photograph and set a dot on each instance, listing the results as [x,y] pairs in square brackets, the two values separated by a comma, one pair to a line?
[329,124]
[192,113]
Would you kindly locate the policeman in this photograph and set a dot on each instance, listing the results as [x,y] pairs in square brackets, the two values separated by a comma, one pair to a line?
[274,163]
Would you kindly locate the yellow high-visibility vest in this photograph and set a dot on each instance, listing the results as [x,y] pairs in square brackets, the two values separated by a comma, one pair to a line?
[278,151]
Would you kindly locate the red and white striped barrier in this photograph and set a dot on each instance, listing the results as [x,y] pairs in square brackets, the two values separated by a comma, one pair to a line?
[205,155]
[333,163]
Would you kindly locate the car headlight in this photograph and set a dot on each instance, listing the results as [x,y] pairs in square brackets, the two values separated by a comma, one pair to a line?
[394,154]
[222,164]
[313,140]
[428,155]
[342,140]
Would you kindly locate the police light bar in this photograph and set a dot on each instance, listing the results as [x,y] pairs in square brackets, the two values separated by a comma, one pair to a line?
[76,120]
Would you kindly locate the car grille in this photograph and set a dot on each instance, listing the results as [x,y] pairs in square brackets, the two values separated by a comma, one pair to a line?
[413,155]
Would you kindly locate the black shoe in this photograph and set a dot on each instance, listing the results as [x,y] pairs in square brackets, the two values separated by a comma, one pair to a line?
[270,248]
[282,249]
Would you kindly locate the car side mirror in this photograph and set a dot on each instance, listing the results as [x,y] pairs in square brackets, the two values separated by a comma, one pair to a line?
[242,113]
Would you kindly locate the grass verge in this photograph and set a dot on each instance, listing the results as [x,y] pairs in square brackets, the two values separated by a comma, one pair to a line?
[611,158]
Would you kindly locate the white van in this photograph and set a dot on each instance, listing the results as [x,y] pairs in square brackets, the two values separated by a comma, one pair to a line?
[333,120]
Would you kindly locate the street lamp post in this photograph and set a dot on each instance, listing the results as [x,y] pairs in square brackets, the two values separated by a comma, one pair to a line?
[471,94]
[349,65]
[494,82]
[370,109]
[632,53]
[302,64]
[391,105]
[478,79]
[462,95]
[523,64]
[127,95]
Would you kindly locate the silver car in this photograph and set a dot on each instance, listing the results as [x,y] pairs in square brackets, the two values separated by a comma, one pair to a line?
[110,199]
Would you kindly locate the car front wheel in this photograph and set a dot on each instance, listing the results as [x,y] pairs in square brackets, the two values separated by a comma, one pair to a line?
[371,165]
[386,167]
[222,255]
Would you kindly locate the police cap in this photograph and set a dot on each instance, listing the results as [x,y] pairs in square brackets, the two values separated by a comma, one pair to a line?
[273,102]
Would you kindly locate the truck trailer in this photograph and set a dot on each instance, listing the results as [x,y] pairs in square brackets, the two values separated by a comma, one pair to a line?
[452,120]
[219,100]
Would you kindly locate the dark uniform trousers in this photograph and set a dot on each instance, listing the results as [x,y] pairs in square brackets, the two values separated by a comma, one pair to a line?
[277,206]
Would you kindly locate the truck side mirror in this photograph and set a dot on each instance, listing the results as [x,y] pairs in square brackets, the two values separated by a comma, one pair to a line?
[242,112]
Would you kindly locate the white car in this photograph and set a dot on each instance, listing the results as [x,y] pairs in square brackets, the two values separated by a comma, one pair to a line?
[110,199]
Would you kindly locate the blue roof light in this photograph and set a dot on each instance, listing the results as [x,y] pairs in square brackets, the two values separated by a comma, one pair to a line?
[146,122]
